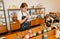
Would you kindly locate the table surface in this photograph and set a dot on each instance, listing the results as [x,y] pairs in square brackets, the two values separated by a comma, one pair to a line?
[36,29]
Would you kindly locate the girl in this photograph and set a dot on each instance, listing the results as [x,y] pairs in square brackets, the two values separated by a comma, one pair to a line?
[49,20]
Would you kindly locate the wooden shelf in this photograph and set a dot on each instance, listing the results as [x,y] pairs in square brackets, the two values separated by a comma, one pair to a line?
[1,10]
[3,24]
[13,9]
[14,26]
[3,29]
[36,8]
[28,8]
[37,21]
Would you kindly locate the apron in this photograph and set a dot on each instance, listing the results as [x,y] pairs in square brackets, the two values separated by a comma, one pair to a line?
[25,25]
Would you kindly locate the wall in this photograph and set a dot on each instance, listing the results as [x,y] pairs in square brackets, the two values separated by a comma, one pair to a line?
[50,5]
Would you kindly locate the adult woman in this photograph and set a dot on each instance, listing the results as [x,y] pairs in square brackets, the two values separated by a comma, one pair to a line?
[23,16]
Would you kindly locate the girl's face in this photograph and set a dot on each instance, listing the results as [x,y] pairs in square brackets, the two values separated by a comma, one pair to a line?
[24,9]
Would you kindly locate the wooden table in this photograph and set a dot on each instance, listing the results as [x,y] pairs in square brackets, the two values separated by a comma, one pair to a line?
[51,34]
[36,29]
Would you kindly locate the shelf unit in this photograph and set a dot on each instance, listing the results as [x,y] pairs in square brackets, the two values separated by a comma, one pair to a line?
[3,23]
[16,24]
[37,16]
[40,12]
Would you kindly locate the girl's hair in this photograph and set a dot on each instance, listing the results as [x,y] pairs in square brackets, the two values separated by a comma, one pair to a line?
[23,5]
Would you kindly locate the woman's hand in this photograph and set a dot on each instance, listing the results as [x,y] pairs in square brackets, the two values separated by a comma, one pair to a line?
[26,17]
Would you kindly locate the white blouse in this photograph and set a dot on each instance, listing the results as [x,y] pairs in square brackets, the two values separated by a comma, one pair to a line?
[24,14]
